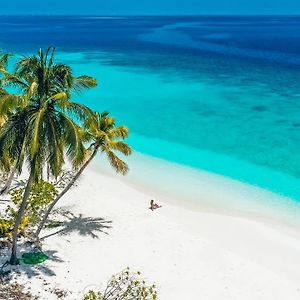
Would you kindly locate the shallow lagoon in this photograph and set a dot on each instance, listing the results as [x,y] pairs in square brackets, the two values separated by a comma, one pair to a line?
[218,94]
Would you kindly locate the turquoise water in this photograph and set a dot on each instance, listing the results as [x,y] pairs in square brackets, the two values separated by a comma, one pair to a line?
[217,127]
[219,94]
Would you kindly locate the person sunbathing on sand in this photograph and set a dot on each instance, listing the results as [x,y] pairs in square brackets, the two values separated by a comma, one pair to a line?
[153,205]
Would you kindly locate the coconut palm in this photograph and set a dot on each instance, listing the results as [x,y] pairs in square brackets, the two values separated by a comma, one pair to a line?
[38,76]
[107,139]
[9,104]
[42,131]
[39,135]
[6,164]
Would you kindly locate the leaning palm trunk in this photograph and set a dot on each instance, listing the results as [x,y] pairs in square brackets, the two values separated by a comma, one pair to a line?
[13,259]
[7,185]
[65,190]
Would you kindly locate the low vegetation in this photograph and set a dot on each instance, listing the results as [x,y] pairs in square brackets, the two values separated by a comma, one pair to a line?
[41,195]
[125,286]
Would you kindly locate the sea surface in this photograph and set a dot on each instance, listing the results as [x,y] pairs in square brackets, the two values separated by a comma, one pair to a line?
[220,94]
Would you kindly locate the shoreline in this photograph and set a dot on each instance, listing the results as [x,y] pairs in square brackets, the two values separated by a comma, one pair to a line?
[188,254]
[205,191]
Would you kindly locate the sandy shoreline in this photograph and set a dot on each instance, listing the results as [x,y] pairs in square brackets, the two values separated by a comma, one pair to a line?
[189,254]
[203,191]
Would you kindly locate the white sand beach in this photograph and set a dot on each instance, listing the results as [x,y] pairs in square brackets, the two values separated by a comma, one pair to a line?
[189,253]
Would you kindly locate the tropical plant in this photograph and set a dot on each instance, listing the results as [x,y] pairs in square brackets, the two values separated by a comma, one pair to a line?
[7,225]
[125,286]
[106,138]
[4,58]
[42,193]
[39,77]
[5,162]
[43,130]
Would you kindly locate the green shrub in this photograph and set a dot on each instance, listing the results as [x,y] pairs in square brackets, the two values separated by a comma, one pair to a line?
[91,295]
[125,286]
[7,225]
[42,194]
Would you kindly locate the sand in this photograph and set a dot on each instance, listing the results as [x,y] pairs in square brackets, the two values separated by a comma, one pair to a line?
[190,254]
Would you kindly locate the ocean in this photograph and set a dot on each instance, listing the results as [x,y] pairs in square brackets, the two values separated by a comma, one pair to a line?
[213,93]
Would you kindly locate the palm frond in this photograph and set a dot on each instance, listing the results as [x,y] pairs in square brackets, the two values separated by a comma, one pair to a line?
[118,164]
[10,102]
[35,126]
[83,82]
[4,59]
[55,158]
[73,139]
[26,65]
[120,147]
[32,89]
[118,132]
[78,111]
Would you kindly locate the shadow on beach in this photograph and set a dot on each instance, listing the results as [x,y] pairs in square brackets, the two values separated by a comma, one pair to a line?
[41,269]
[29,270]
[84,226]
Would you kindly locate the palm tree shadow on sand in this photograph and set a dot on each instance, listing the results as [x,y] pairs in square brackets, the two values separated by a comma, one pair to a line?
[30,270]
[36,270]
[84,226]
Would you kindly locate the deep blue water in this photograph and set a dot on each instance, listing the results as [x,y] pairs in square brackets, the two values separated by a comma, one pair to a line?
[223,93]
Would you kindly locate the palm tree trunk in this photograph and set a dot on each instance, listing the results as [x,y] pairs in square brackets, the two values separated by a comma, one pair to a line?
[13,259]
[8,182]
[65,190]
[48,173]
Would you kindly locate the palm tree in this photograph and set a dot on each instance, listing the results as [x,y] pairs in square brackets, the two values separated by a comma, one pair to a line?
[6,163]
[106,138]
[40,76]
[43,131]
